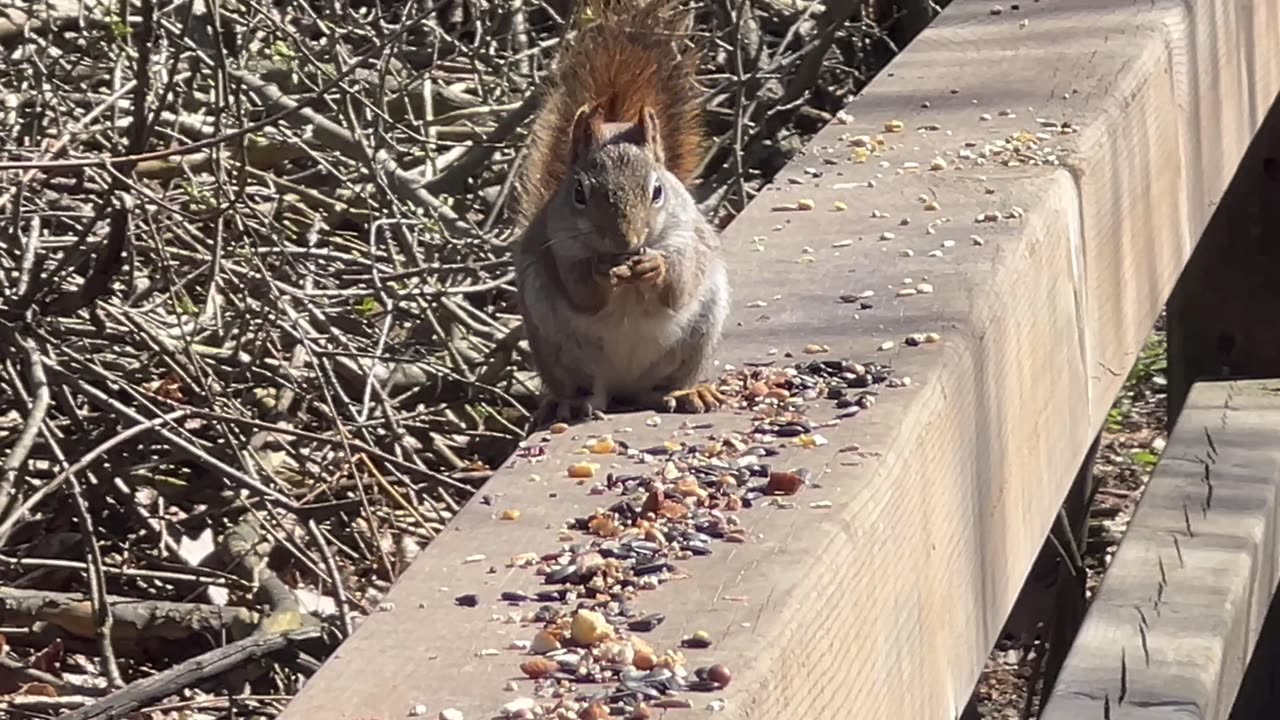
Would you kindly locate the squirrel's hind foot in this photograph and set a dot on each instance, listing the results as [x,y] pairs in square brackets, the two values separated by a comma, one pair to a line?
[567,411]
[700,398]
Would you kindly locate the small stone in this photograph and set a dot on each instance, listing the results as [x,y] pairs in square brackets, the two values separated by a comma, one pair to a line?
[886,236]
[893,126]
[594,711]
[938,164]
[539,668]
[420,710]
[932,206]
[472,559]
[451,714]
[948,243]
[842,243]
[935,253]
[589,627]
[977,240]
[839,206]
[815,349]
[997,10]
[645,659]
[805,204]
[717,705]
[820,504]
[510,514]
[906,292]
[907,252]
[558,428]
[886,345]
[468,600]
[860,141]
[582,470]
[984,117]
[924,288]
[698,641]
[519,706]
[812,440]
[603,446]
[544,642]
[720,675]
[784,483]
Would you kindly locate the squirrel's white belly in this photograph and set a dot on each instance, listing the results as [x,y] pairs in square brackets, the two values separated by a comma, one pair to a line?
[635,344]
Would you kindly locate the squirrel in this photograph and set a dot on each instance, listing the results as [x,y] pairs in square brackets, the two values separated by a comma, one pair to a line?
[619,277]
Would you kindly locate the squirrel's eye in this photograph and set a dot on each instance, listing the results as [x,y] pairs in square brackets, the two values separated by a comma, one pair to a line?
[579,193]
[657,193]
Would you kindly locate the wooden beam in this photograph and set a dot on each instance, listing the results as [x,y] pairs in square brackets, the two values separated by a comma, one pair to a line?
[1222,314]
[885,603]
[1175,622]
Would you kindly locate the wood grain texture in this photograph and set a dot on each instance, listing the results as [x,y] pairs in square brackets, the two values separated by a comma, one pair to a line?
[1175,621]
[885,605]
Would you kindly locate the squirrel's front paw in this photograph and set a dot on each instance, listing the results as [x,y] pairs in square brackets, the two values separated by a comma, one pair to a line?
[700,398]
[647,268]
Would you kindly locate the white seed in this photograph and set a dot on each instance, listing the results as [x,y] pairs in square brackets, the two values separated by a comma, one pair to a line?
[948,243]
[886,235]
[519,705]
[887,345]
[472,559]
[906,292]
[938,164]
[841,243]
[935,253]
[924,288]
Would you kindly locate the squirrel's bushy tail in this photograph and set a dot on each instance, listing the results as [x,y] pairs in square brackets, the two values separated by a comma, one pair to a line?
[624,57]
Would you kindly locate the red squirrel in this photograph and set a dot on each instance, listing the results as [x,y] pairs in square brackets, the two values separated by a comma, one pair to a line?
[620,279]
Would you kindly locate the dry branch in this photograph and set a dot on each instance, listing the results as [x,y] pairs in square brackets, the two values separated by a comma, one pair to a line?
[255,284]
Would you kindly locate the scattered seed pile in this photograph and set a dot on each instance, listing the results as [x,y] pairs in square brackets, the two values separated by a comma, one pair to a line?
[589,657]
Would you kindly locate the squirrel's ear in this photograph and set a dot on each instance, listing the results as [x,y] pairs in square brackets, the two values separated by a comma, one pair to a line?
[588,132]
[651,130]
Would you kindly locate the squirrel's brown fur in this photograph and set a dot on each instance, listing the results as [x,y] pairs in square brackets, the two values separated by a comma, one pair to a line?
[624,60]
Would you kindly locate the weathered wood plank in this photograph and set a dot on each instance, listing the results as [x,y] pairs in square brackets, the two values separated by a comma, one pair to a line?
[885,605]
[1175,621]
